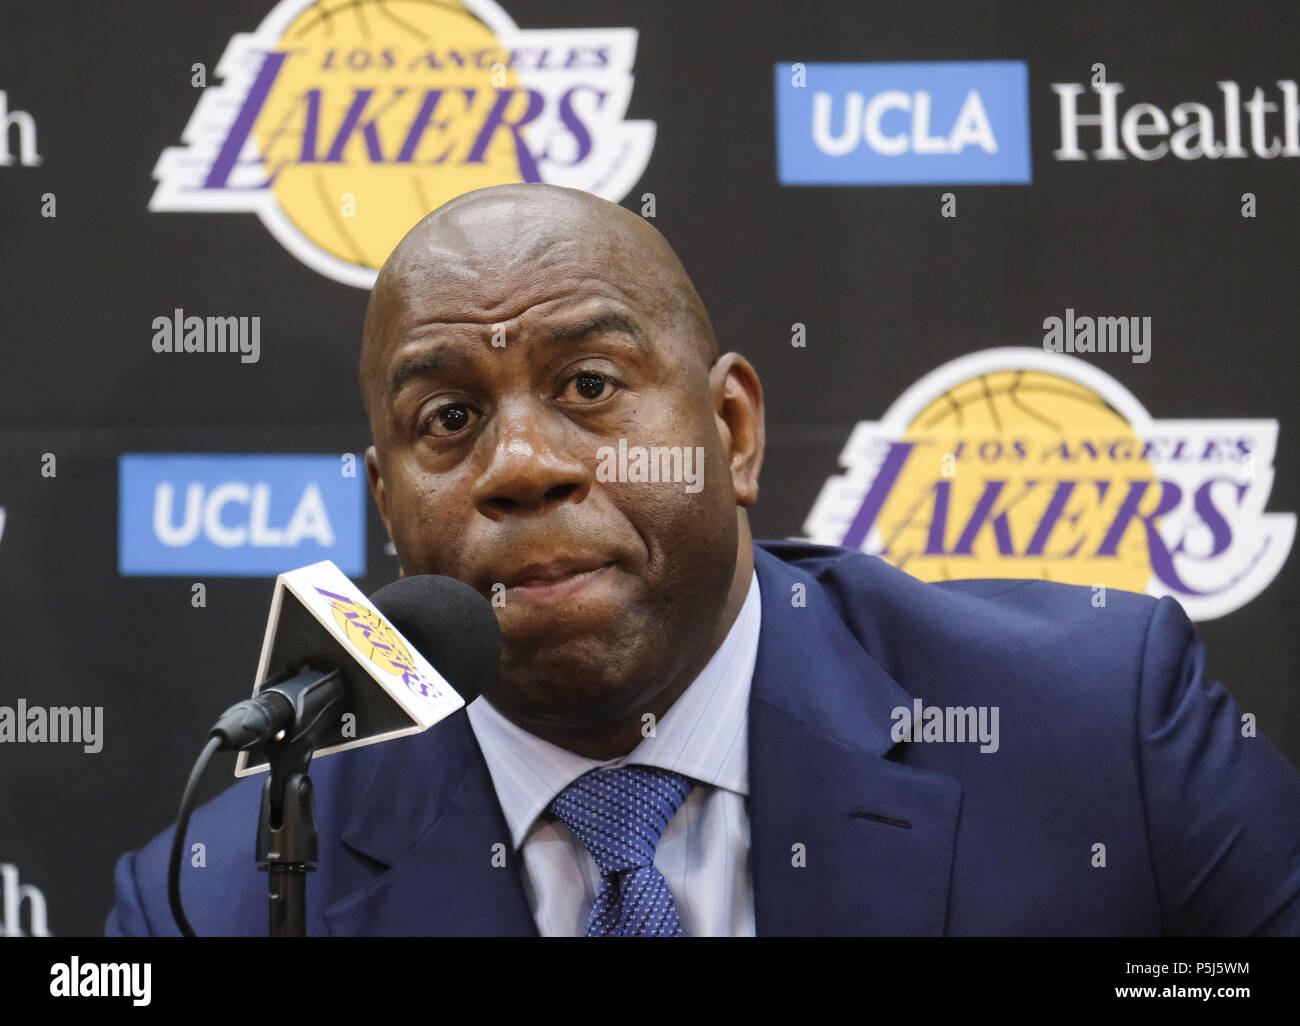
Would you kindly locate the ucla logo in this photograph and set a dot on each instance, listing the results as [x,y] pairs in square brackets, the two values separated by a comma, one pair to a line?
[1021,463]
[902,124]
[341,123]
[205,513]
[248,515]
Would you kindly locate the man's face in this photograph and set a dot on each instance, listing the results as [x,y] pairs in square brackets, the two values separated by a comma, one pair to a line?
[486,457]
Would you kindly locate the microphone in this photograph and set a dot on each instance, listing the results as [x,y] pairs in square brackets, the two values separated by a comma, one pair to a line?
[358,670]
[449,623]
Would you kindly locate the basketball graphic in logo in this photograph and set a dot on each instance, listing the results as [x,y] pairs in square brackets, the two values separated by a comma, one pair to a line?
[341,123]
[999,452]
[373,638]
[417,121]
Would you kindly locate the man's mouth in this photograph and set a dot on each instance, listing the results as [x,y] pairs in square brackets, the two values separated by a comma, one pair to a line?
[555,579]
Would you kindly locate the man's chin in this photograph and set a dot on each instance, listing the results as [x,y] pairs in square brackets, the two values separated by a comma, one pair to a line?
[559,688]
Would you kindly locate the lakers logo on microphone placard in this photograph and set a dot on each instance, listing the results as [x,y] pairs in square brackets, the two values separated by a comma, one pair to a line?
[341,123]
[378,642]
[1020,463]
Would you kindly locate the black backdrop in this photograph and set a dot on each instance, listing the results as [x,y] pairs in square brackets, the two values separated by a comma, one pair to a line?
[888,289]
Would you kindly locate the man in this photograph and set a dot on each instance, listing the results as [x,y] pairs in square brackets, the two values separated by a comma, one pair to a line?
[693,734]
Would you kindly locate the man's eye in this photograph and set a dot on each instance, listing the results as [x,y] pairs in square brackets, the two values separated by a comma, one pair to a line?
[448,419]
[589,385]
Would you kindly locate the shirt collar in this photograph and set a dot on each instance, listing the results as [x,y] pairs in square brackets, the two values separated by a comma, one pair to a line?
[702,736]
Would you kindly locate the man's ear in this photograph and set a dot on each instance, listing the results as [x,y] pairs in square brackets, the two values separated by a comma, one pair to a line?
[738,408]
[377,489]
[380,493]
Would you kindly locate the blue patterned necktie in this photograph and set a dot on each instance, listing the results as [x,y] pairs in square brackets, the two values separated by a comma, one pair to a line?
[620,814]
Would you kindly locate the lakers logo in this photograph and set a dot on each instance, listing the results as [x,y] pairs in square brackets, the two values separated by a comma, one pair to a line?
[371,636]
[1020,463]
[342,122]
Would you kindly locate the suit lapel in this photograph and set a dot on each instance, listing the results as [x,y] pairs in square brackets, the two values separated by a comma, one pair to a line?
[431,816]
[877,836]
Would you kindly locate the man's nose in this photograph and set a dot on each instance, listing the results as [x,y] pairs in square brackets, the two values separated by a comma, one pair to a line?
[531,465]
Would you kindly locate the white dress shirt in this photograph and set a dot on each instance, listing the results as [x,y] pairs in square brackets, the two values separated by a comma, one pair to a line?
[704,851]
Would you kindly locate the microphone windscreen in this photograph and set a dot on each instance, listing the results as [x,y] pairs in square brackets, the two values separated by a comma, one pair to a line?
[451,624]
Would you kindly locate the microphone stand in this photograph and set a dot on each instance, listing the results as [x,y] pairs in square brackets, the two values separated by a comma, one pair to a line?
[287,843]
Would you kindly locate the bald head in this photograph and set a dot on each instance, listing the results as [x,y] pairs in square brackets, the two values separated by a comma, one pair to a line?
[474,255]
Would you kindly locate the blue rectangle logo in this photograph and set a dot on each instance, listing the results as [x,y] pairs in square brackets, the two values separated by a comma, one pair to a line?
[238,516]
[935,123]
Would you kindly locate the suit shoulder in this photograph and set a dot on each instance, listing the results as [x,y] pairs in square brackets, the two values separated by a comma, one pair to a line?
[1029,629]
[223,826]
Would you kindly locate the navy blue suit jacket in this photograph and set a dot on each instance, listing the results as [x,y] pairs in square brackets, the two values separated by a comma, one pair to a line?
[1109,735]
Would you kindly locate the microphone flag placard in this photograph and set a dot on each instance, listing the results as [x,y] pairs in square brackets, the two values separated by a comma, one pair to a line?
[320,619]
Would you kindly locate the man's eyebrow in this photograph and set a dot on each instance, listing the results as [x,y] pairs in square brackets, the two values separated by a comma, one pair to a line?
[426,364]
[429,364]
[607,321]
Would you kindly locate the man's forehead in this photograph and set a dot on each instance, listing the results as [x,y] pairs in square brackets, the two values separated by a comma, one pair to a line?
[511,252]
[545,297]
[543,285]
[454,319]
